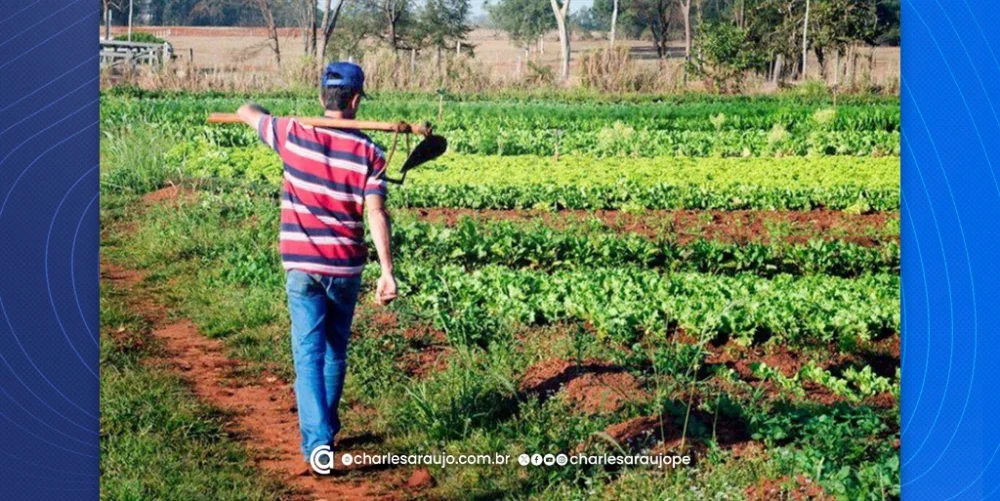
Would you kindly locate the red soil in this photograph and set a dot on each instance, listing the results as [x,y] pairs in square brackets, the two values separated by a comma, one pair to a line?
[591,386]
[731,226]
[788,362]
[882,401]
[663,435]
[633,430]
[264,408]
[171,194]
[636,434]
[420,479]
[801,489]
[548,376]
[424,361]
[603,393]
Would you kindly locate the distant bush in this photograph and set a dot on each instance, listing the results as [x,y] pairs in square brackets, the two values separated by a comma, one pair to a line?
[141,37]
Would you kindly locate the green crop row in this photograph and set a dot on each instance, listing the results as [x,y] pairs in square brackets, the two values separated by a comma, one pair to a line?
[625,302]
[636,196]
[617,140]
[637,130]
[588,171]
[484,182]
[725,115]
[472,245]
[662,183]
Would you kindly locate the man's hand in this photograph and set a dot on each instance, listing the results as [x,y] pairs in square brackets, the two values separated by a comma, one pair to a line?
[251,113]
[379,225]
[385,291]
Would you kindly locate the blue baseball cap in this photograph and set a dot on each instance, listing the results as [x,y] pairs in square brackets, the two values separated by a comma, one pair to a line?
[343,74]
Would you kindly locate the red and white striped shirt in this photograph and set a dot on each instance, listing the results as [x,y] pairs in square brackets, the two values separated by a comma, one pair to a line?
[328,172]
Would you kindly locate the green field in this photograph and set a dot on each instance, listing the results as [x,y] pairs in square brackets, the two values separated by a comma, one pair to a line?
[727,268]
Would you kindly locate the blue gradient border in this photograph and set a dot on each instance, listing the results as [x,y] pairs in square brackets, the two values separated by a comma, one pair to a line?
[49,227]
[950,94]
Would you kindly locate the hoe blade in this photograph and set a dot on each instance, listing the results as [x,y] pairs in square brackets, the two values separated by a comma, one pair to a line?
[428,149]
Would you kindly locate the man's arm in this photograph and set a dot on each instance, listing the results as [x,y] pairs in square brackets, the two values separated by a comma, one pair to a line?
[378,222]
[267,127]
[251,113]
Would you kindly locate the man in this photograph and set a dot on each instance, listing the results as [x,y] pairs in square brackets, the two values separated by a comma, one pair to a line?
[331,177]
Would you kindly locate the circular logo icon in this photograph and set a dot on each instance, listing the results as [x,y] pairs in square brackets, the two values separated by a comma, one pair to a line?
[536,459]
[321,460]
[550,460]
[561,460]
[347,459]
[524,459]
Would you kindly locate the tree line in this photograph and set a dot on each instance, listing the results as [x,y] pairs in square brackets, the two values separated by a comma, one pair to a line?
[721,38]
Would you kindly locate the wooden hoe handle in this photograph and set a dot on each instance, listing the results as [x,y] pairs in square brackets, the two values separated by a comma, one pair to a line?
[338,123]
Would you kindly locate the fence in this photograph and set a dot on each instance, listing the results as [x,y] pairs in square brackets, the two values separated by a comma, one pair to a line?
[119,52]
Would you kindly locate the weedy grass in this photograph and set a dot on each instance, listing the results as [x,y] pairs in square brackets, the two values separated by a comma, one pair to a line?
[135,166]
[157,440]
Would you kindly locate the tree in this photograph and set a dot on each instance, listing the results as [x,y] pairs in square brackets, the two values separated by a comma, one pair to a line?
[522,20]
[272,29]
[304,12]
[832,26]
[207,13]
[560,8]
[740,13]
[887,22]
[805,42]
[109,6]
[657,16]
[587,19]
[774,30]
[327,25]
[725,55]
[685,6]
[636,17]
[357,21]
[443,23]
[614,24]
[395,16]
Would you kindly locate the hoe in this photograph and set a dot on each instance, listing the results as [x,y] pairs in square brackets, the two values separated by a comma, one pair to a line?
[428,149]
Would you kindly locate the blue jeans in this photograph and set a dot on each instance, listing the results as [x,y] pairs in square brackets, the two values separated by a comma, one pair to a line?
[321,310]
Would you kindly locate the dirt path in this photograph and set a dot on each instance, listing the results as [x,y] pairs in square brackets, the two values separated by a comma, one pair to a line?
[263,409]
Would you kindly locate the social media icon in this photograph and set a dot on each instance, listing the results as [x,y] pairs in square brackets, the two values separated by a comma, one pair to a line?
[347,459]
[536,459]
[550,460]
[561,460]
[524,459]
